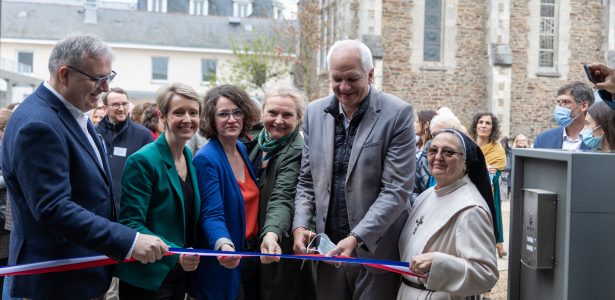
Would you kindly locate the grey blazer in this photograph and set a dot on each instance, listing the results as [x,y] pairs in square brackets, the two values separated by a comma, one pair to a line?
[380,173]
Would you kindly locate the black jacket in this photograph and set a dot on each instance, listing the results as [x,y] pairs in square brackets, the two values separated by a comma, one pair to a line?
[127,135]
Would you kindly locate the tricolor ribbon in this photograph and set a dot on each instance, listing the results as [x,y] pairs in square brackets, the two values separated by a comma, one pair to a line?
[71,264]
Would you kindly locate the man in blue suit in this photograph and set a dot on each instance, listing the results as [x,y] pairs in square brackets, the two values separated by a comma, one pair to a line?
[57,174]
[571,105]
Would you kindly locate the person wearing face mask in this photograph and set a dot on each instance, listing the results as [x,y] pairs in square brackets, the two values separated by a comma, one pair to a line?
[571,105]
[599,131]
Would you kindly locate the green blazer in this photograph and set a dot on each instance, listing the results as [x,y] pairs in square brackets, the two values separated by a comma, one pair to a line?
[152,202]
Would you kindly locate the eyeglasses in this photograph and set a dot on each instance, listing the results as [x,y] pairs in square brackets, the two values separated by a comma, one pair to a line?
[117,105]
[448,153]
[99,81]
[238,114]
[563,102]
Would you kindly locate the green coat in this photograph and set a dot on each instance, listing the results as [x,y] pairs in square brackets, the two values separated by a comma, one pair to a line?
[153,203]
[277,186]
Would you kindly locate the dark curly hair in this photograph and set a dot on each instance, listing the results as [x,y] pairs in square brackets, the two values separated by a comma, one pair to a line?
[495,126]
[151,117]
[207,128]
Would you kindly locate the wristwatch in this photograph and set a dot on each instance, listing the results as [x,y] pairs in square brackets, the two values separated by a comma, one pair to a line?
[359,240]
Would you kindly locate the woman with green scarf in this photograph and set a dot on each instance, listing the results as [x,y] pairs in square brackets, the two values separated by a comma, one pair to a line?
[275,154]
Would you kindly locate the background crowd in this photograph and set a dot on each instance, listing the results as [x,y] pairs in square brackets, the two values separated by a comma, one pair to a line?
[223,172]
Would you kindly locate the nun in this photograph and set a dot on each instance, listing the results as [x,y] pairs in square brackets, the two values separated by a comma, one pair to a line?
[449,238]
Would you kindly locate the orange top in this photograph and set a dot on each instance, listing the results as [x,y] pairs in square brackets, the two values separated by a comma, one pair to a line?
[249,191]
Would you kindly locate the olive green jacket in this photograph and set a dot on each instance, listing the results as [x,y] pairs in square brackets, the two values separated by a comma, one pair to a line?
[277,185]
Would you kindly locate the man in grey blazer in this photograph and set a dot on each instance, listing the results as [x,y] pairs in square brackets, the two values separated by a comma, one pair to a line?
[357,174]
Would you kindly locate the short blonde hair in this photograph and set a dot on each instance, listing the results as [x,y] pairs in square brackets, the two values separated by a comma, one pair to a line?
[297,97]
[166,93]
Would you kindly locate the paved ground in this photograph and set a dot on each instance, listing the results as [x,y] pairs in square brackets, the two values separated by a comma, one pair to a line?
[499,292]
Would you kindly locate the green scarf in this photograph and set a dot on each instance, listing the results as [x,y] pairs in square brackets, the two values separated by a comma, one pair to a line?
[270,146]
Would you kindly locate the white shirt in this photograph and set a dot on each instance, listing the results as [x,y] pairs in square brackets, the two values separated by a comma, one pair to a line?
[570,143]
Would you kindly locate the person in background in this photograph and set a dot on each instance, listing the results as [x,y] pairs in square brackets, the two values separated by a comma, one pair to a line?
[97,114]
[421,127]
[5,115]
[505,177]
[152,120]
[276,155]
[572,102]
[229,194]
[423,179]
[137,112]
[605,85]
[599,131]
[486,130]
[160,196]
[59,180]
[122,137]
[521,141]
[449,235]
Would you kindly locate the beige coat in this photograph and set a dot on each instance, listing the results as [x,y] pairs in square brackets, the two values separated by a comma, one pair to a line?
[454,223]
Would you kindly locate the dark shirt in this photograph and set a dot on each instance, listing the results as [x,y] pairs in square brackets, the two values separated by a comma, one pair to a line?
[337,226]
[121,140]
[188,192]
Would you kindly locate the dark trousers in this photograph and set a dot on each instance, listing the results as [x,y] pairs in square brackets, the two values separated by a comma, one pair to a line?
[352,281]
[173,288]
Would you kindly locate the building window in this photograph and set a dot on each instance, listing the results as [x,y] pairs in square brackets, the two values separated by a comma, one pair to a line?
[199,7]
[432,39]
[160,68]
[328,25]
[242,8]
[208,70]
[157,6]
[25,62]
[547,34]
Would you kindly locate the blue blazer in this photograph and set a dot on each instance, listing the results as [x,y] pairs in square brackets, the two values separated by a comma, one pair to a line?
[62,200]
[222,216]
[553,139]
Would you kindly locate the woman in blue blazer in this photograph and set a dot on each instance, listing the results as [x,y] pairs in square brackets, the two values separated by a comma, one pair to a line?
[229,194]
[160,196]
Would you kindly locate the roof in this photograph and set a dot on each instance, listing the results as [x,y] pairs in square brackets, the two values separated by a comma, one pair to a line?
[53,22]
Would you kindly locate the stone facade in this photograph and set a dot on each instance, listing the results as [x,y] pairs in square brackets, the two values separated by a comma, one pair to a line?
[470,78]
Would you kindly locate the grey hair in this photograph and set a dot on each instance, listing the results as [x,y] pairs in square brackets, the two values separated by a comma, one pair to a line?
[366,55]
[579,91]
[443,121]
[73,49]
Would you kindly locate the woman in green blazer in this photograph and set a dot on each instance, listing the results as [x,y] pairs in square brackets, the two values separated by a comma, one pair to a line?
[276,155]
[160,196]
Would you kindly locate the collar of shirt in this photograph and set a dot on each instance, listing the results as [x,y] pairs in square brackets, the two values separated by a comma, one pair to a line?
[336,110]
[570,143]
[79,116]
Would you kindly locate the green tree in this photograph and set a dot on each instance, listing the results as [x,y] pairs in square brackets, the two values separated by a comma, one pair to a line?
[258,60]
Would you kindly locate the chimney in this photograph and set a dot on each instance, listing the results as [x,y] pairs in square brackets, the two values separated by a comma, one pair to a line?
[91,14]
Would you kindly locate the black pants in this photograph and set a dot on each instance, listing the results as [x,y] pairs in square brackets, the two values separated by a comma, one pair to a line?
[173,288]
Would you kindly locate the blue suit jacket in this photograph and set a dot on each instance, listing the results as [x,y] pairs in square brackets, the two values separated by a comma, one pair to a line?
[553,139]
[62,200]
[222,216]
